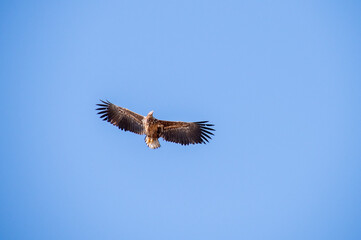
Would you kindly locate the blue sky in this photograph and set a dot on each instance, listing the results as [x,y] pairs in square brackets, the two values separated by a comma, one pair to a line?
[280,80]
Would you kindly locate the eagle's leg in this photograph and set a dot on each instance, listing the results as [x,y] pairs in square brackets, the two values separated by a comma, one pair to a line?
[153,143]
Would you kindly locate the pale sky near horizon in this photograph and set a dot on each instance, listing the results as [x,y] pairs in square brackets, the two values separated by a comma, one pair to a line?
[280,80]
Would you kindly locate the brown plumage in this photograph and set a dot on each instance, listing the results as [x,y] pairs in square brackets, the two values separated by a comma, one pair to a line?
[184,133]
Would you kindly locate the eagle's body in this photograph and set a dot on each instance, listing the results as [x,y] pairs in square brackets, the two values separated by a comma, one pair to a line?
[184,133]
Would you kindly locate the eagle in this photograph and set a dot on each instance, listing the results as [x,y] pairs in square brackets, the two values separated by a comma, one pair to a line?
[183,133]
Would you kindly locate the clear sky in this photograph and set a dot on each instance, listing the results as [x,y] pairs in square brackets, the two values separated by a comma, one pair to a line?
[281,81]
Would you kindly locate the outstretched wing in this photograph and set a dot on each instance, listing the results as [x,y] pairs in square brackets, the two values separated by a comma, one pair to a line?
[121,117]
[186,133]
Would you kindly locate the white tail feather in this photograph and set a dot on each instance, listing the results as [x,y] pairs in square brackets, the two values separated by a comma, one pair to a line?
[153,143]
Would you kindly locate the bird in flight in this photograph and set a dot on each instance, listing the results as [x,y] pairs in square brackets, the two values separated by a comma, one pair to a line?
[184,133]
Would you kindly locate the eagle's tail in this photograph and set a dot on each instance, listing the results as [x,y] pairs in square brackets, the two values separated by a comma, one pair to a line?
[153,143]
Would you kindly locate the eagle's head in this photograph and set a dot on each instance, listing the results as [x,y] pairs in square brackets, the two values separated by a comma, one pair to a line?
[150,114]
